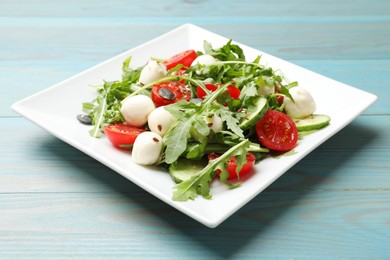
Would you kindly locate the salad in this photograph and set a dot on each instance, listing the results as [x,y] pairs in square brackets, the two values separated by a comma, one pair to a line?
[202,115]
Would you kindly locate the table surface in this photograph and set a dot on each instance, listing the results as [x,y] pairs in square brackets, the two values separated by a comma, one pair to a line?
[56,202]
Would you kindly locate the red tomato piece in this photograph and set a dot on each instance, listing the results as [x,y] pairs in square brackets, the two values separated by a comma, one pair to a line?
[277,131]
[180,72]
[231,165]
[279,99]
[201,93]
[185,58]
[233,91]
[121,134]
[171,92]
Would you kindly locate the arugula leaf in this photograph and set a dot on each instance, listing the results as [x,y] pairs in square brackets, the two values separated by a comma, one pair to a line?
[201,126]
[284,90]
[126,64]
[199,184]
[98,115]
[232,123]
[197,150]
[179,133]
[208,48]
[228,52]
[176,140]
[248,91]
[181,109]
[105,108]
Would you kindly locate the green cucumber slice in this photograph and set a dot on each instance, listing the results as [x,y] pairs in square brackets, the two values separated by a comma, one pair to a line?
[254,113]
[312,122]
[183,169]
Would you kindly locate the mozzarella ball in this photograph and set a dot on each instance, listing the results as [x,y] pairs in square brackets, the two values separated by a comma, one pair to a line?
[303,104]
[204,60]
[266,90]
[267,87]
[160,120]
[152,72]
[147,148]
[136,110]
[214,123]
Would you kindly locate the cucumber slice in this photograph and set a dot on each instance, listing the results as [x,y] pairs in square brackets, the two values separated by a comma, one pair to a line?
[183,169]
[312,122]
[254,113]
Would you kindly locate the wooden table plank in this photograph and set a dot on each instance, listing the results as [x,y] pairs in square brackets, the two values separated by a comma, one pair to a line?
[294,38]
[177,8]
[298,224]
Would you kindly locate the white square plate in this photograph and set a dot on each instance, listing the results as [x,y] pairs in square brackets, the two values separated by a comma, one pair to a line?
[55,110]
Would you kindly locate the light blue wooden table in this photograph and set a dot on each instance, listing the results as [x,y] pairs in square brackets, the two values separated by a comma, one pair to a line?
[56,202]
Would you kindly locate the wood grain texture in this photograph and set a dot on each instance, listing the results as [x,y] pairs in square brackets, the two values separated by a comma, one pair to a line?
[58,203]
[195,8]
[275,224]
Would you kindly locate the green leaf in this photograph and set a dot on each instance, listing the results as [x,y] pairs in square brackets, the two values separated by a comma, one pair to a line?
[249,90]
[228,52]
[182,109]
[286,92]
[237,50]
[240,160]
[197,150]
[199,184]
[208,49]
[88,106]
[126,63]
[100,110]
[174,69]
[257,60]
[232,123]
[178,134]
[201,126]
[176,140]
[224,174]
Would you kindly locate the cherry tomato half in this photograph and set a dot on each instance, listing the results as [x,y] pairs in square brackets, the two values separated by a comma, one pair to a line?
[121,134]
[277,131]
[185,58]
[233,91]
[279,99]
[231,165]
[170,92]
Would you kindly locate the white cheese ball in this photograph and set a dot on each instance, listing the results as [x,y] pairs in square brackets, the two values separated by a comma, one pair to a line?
[214,122]
[204,60]
[151,72]
[147,148]
[266,90]
[160,120]
[136,110]
[267,87]
[303,105]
